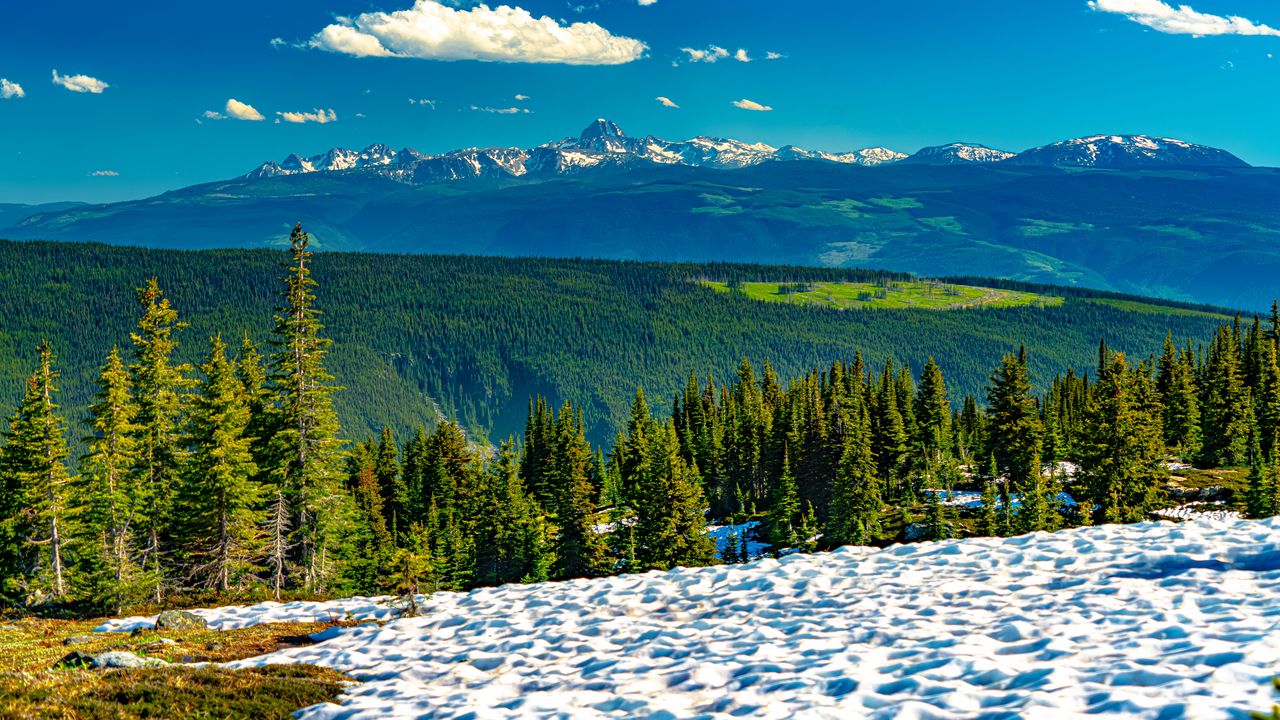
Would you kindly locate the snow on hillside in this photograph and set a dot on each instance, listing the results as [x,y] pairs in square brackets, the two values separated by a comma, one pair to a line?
[1157,620]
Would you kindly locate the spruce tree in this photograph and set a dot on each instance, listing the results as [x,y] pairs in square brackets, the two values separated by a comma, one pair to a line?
[220,521]
[579,550]
[786,508]
[111,497]
[933,412]
[159,387]
[38,485]
[856,501]
[670,508]
[1014,426]
[309,470]
[1122,464]
[1225,403]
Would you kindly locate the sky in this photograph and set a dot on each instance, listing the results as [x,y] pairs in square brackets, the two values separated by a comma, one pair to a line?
[110,101]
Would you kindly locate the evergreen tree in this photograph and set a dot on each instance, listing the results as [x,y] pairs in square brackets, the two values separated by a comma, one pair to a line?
[37,487]
[670,508]
[159,387]
[786,508]
[1224,404]
[1262,498]
[111,498]
[856,503]
[579,550]
[309,473]
[1014,426]
[220,521]
[989,519]
[933,412]
[1122,462]
[511,524]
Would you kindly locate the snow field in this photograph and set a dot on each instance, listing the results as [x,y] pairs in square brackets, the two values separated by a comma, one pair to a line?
[1156,620]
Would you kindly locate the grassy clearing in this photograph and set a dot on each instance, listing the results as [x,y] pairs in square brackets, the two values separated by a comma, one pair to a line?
[177,692]
[918,295]
[29,688]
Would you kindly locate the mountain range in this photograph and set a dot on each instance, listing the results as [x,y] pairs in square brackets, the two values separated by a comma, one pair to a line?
[1130,213]
[603,145]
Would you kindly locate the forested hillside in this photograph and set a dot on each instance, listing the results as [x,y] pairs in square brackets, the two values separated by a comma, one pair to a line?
[477,336]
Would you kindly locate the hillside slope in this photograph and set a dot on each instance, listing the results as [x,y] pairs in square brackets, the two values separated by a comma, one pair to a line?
[1207,234]
[477,336]
[1154,621]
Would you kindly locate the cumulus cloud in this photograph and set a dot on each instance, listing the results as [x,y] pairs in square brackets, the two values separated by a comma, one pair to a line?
[667,102]
[242,111]
[104,173]
[10,90]
[1181,20]
[746,104]
[434,31]
[80,83]
[741,56]
[501,111]
[316,116]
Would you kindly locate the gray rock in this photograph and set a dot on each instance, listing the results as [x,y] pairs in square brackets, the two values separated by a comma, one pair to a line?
[157,644]
[127,660]
[9,628]
[914,532]
[79,640]
[180,620]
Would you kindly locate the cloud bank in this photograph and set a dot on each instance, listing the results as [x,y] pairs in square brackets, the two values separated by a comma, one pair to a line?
[1181,20]
[80,83]
[433,31]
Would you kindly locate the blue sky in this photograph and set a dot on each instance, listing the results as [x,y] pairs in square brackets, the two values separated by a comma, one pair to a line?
[125,116]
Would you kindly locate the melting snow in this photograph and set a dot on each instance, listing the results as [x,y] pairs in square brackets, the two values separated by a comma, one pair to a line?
[1156,620]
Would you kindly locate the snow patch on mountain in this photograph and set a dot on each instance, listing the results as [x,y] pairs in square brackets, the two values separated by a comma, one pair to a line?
[1155,620]
[1126,151]
[958,153]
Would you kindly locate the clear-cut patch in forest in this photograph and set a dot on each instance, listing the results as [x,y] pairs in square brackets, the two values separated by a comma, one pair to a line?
[1154,620]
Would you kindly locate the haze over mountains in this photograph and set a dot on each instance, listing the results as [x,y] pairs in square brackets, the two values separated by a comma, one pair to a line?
[1133,213]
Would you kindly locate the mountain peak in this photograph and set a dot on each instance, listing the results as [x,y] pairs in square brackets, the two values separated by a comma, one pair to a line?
[958,153]
[1126,151]
[602,128]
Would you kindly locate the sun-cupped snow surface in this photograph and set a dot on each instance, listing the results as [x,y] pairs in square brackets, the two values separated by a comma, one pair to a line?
[1157,620]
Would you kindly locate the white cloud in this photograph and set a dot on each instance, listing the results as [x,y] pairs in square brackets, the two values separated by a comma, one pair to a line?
[104,173]
[714,53]
[501,111]
[667,102]
[278,42]
[80,83]
[315,116]
[9,90]
[773,55]
[433,31]
[423,101]
[242,111]
[646,3]
[1181,20]
[212,115]
[521,97]
[746,104]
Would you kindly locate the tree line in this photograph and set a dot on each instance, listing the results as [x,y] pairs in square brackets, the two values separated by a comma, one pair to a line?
[231,476]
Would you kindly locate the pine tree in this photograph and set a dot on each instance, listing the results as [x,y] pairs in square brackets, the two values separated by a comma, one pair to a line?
[511,524]
[390,482]
[37,483]
[989,519]
[309,452]
[1224,404]
[112,500]
[219,499]
[786,508]
[1122,462]
[933,412]
[1014,425]
[159,387]
[856,502]
[579,550]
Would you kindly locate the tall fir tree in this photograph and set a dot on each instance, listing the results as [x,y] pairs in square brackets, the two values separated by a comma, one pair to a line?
[159,389]
[307,446]
[112,500]
[579,549]
[1224,403]
[38,485]
[856,501]
[220,523]
[1014,428]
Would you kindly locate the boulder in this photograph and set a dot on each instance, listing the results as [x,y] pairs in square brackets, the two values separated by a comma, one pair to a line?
[180,620]
[80,640]
[126,660]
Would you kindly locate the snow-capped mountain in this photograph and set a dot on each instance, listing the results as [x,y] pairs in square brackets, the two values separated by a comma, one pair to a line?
[1125,151]
[601,145]
[958,153]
